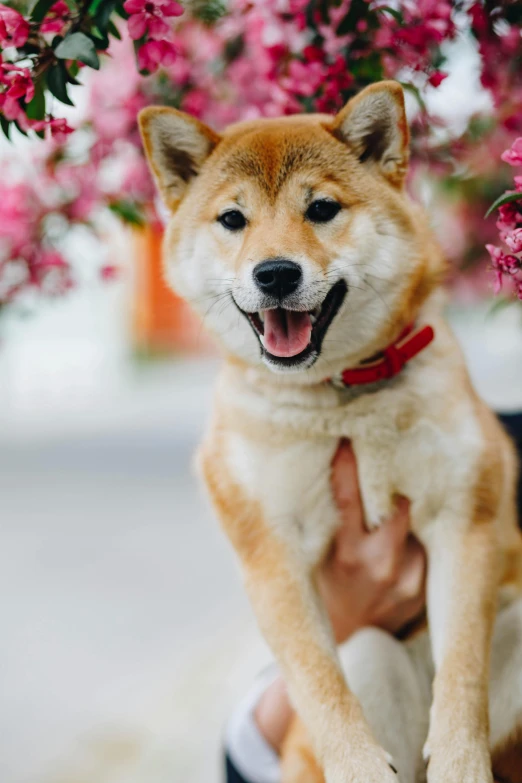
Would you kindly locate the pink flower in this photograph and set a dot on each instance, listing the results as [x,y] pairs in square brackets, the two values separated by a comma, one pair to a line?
[514,240]
[18,86]
[503,264]
[14,29]
[51,272]
[20,212]
[56,18]
[148,17]
[155,53]
[437,77]
[195,102]
[510,217]
[50,259]
[513,156]
[57,128]
[110,272]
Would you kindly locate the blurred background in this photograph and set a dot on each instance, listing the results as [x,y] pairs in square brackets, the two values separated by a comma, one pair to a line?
[126,636]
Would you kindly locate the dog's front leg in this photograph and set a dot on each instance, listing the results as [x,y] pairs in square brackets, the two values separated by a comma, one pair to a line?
[462,595]
[292,619]
[281,587]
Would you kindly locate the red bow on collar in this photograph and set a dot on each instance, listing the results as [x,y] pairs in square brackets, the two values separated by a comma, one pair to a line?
[394,357]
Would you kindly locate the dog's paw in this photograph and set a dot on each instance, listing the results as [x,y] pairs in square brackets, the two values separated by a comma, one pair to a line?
[377,767]
[391,763]
[459,760]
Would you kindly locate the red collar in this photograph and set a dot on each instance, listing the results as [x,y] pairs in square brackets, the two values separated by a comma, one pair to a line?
[394,357]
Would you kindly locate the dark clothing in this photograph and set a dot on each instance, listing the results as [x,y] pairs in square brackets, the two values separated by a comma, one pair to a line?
[513,424]
[231,773]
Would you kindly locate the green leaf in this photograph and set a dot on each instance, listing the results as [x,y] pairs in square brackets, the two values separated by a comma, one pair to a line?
[358,10]
[416,92]
[39,9]
[322,7]
[309,12]
[234,48]
[120,10]
[393,12]
[500,304]
[99,39]
[93,7]
[77,46]
[113,30]
[35,110]
[5,125]
[209,11]
[57,83]
[128,212]
[72,71]
[507,198]
[104,14]
[24,133]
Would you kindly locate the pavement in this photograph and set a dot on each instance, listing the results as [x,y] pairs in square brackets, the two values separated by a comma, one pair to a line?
[126,636]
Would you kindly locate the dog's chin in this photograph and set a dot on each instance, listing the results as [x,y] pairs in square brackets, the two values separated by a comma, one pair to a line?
[316,328]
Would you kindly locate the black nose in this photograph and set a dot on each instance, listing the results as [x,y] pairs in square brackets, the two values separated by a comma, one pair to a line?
[277,277]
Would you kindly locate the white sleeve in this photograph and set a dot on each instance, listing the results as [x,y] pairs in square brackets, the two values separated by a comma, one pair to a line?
[248,750]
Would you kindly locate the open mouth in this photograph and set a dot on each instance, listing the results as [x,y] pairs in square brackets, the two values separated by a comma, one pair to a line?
[289,337]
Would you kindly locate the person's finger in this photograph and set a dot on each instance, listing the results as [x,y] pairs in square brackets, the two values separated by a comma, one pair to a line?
[399,522]
[411,582]
[345,488]
[383,549]
[406,598]
[344,477]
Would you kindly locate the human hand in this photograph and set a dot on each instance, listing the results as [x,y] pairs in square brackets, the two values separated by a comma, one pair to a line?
[370,578]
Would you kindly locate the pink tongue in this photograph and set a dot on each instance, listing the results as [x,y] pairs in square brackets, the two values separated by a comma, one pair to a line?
[287,333]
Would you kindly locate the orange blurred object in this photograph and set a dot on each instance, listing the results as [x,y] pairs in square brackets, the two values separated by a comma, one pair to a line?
[162,323]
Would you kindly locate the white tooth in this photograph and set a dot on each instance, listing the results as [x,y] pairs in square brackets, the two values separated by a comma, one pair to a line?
[313,318]
[261,315]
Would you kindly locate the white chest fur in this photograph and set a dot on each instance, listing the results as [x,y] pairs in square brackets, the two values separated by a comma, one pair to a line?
[416,437]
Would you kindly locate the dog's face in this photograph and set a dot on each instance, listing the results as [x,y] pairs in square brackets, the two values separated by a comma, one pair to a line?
[292,237]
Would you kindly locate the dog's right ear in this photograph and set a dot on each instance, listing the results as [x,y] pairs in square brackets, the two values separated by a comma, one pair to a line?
[176,146]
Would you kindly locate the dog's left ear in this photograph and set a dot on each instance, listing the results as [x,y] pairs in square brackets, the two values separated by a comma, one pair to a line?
[374,126]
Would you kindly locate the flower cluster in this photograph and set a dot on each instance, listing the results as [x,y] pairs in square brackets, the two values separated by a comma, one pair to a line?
[21,96]
[424,26]
[508,265]
[56,19]
[26,259]
[242,60]
[14,29]
[283,57]
[43,53]
[148,24]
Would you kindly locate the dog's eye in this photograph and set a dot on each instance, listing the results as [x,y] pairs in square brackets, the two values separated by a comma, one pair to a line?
[322,211]
[233,219]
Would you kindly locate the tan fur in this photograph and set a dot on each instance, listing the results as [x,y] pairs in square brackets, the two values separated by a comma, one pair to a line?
[298,762]
[266,457]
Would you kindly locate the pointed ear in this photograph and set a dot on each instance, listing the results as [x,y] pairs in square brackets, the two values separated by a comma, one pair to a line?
[374,125]
[176,146]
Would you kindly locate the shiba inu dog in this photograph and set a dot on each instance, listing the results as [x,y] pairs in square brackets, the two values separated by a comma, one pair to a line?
[295,239]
